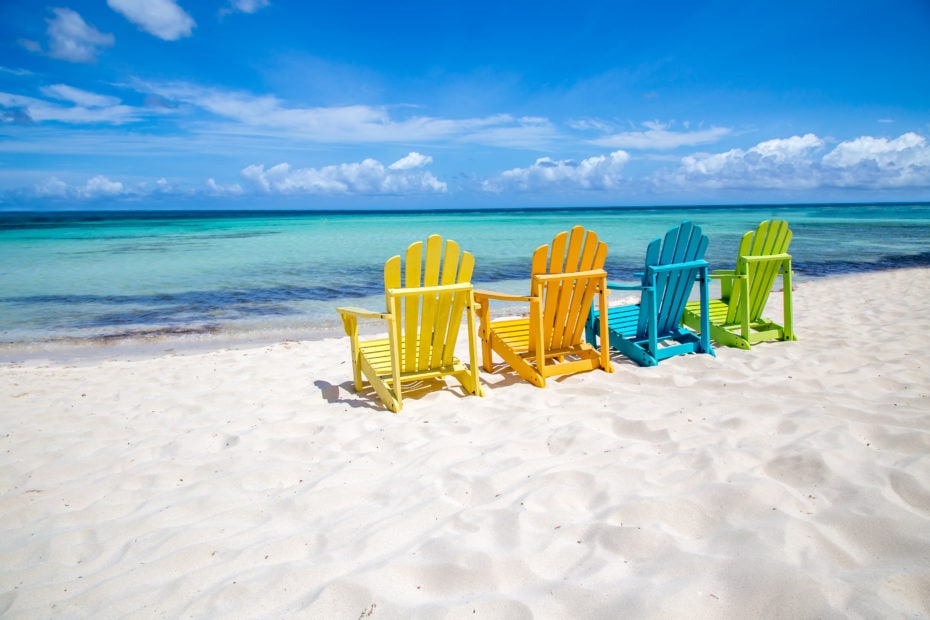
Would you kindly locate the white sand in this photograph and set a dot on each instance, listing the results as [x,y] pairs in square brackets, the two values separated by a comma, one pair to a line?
[792,481]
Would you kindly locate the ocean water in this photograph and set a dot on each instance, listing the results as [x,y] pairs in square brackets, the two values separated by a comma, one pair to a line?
[80,278]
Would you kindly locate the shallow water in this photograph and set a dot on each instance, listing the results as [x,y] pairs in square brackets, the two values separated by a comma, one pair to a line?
[108,277]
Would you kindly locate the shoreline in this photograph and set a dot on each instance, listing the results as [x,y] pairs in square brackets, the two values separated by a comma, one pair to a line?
[791,480]
[156,342]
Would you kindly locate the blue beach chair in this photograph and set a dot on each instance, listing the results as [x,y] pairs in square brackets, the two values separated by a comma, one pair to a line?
[651,330]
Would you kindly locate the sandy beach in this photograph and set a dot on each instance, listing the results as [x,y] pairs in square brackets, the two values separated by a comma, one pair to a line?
[790,481]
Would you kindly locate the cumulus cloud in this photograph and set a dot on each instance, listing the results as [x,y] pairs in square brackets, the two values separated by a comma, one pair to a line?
[98,186]
[601,172]
[799,163]
[368,177]
[657,136]
[71,38]
[880,162]
[412,160]
[162,18]
[217,188]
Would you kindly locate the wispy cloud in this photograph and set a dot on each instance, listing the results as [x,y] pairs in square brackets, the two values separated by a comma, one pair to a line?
[347,124]
[658,136]
[71,38]
[602,172]
[245,6]
[88,108]
[16,72]
[161,18]
[368,177]
[78,96]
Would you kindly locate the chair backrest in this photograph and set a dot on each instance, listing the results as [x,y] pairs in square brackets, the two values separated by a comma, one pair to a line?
[567,274]
[672,266]
[761,257]
[428,293]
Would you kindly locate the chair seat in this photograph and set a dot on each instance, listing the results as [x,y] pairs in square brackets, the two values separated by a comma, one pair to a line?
[718,310]
[378,355]
[623,320]
[515,333]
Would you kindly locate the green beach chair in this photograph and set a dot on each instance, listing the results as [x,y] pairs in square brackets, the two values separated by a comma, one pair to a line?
[736,318]
[650,331]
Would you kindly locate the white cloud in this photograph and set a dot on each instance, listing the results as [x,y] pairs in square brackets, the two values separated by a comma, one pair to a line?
[98,186]
[78,96]
[594,173]
[246,6]
[268,115]
[216,188]
[52,187]
[657,136]
[102,186]
[162,18]
[368,177]
[412,160]
[95,108]
[29,45]
[906,150]
[880,162]
[795,163]
[774,164]
[72,39]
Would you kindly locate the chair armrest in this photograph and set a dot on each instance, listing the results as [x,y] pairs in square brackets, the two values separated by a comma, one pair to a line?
[480,295]
[723,274]
[362,313]
[624,287]
[766,258]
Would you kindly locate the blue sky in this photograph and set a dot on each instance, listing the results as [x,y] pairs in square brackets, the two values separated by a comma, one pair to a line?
[294,104]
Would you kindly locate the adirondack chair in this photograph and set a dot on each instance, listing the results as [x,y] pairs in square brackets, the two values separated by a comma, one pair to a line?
[736,318]
[426,300]
[566,276]
[650,331]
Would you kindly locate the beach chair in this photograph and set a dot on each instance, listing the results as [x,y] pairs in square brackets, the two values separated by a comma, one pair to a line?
[651,330]
[736,318]
[426,298]
[566,276]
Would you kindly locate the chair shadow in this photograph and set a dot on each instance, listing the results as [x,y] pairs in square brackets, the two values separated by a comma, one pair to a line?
[367,398]
[331,394]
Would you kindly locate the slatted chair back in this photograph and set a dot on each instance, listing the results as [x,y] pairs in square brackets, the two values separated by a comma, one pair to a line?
[672,268]
[763,255]
[428,292]
[566,276]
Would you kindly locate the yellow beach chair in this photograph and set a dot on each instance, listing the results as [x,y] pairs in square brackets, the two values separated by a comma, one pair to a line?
[566,276]
[427,298]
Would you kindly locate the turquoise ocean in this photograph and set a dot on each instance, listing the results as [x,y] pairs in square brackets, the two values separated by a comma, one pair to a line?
[99,279]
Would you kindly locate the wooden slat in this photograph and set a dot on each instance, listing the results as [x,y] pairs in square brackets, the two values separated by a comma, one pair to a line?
[432,263]
[576,243]
[450,263]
